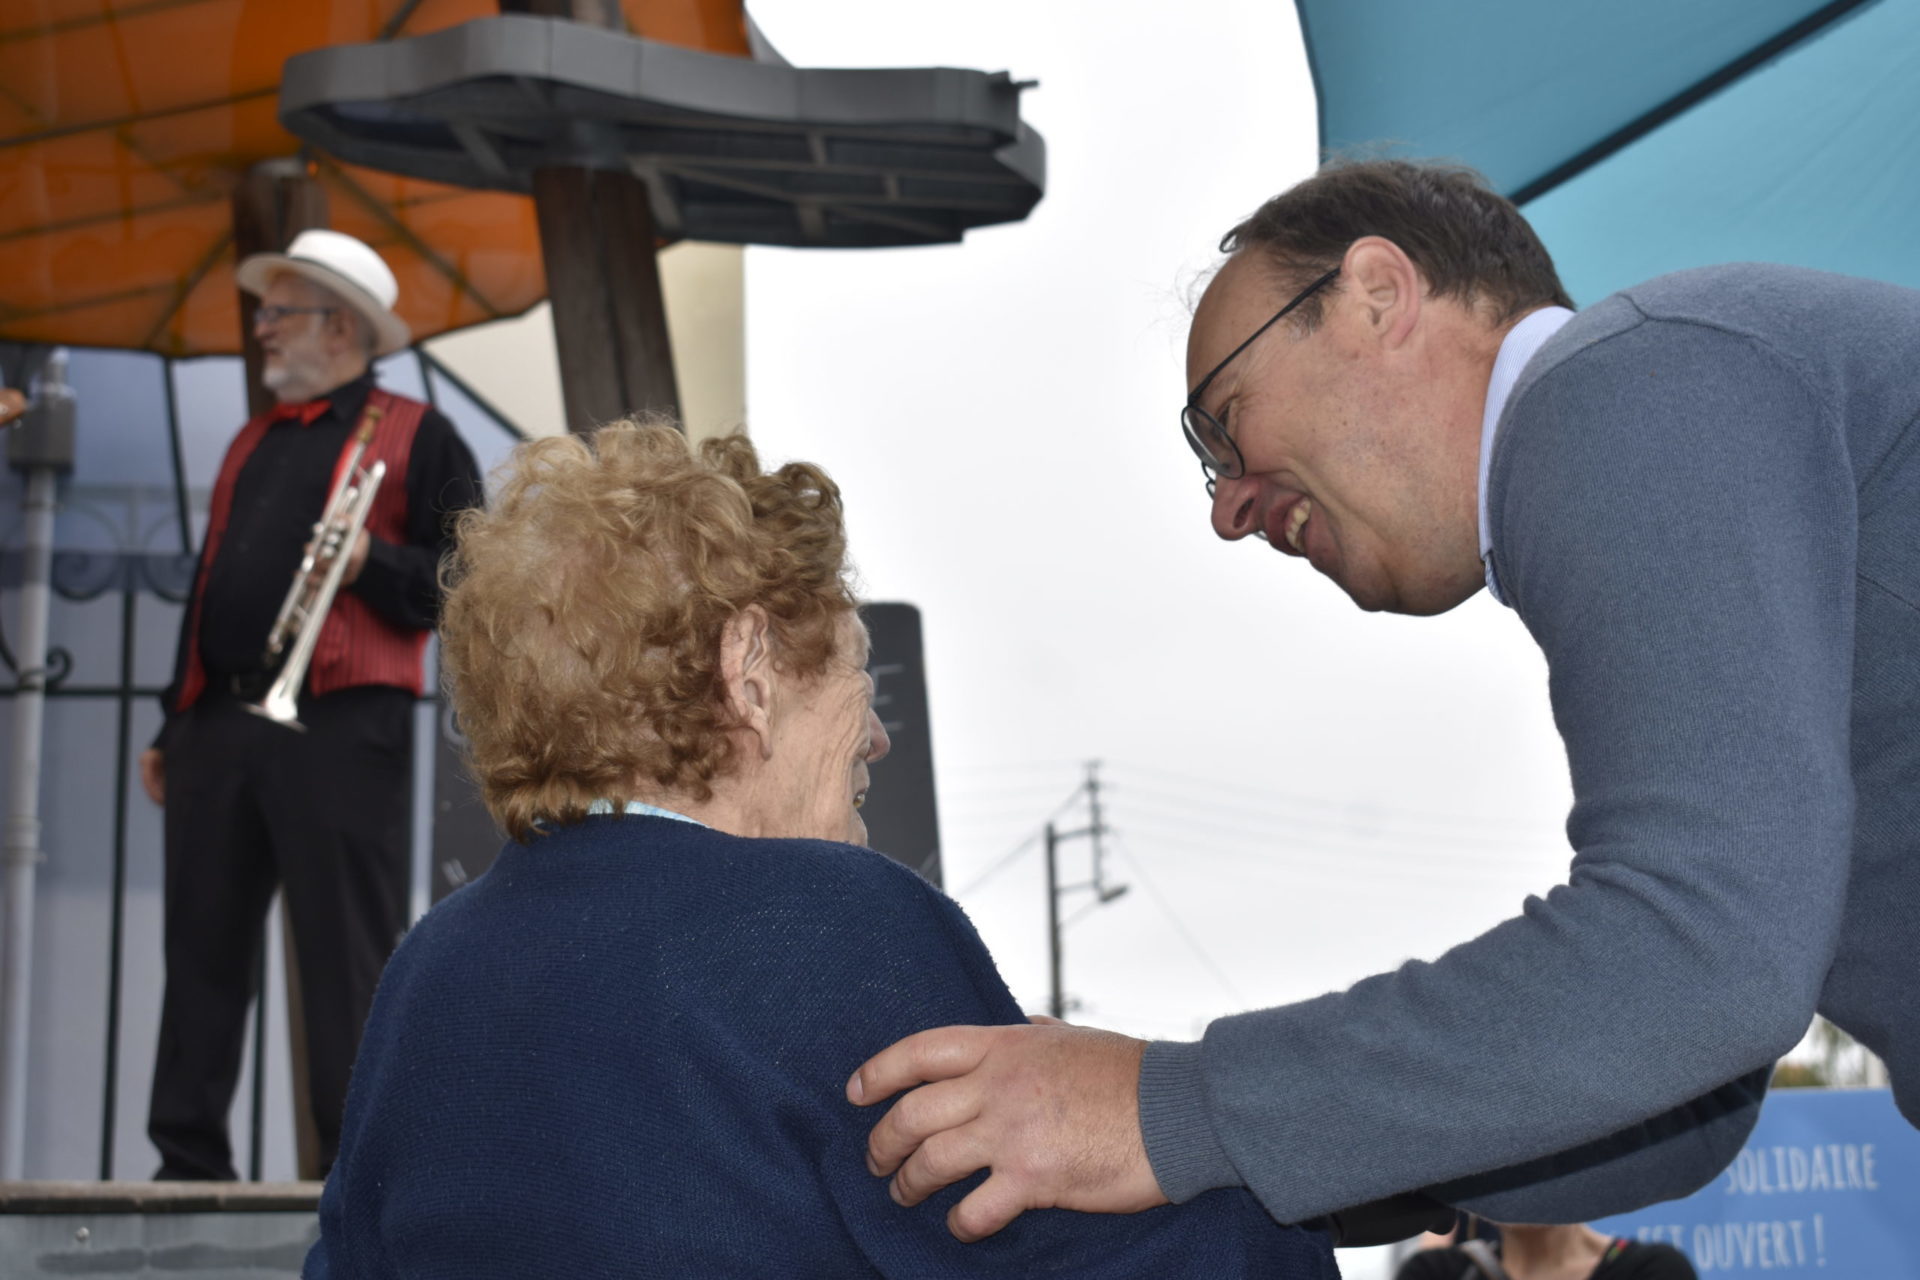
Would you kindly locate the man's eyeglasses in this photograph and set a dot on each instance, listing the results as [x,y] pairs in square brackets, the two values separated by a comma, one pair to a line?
[274,315]
[1219,455]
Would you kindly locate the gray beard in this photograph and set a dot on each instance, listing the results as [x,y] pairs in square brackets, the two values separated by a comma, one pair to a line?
[292,380]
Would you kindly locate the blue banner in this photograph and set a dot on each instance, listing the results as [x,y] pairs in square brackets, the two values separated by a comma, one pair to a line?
[1829,1182]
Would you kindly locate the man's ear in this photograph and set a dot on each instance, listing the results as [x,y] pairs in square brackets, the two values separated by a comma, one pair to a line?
[343,327]
[1382,280]
[747,674]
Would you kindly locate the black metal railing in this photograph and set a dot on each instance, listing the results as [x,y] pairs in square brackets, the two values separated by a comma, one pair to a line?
[80,577]
[134,572]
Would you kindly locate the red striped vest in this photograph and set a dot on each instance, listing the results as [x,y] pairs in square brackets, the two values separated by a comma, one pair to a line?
[356,645]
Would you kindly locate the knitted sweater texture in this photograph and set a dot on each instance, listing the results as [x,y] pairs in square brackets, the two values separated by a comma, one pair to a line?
[1705,507]
[622,1052]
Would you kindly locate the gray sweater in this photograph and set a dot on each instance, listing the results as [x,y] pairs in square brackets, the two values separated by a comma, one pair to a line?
[1705,507]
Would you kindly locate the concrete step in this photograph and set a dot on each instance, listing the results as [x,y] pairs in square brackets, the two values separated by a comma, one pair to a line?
[170,1230]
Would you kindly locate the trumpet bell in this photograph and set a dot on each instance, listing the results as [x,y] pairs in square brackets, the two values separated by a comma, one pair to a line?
[278,706]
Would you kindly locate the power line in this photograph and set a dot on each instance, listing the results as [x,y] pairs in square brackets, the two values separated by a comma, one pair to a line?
[1179,926]
[1012,855]
[1253,875]
[1315,802]
[1273,827]
[1006,860]
[1349,827]
[1352,820]
[1267,842]
[978,787]
[1022,815]
[1011,766]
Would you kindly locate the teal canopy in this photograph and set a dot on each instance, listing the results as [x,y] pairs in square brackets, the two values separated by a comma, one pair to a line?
[1643,136]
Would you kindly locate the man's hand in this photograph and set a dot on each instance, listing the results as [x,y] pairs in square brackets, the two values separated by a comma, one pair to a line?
[1054,1111]
[153,775]
[357,560]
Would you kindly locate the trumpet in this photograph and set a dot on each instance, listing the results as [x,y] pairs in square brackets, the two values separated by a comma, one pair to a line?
[317,580]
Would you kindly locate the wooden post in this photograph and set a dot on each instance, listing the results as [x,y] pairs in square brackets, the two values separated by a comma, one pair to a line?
[276,201]
[603,280]
[603,276]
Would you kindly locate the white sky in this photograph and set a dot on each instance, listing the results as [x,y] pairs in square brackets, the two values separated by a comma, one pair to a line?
[1305,794]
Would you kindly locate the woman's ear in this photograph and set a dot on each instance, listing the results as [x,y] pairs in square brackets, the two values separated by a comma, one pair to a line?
[747,674]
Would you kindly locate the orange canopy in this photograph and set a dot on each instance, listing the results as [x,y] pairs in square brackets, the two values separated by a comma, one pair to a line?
[126,124]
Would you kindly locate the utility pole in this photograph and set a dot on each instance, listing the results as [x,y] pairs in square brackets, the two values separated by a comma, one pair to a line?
[1095,830]
[1057,1002]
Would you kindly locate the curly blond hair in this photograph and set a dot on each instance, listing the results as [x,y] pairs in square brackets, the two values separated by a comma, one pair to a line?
[580,638]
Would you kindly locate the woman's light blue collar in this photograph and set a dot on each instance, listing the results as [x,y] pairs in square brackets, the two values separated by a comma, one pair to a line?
[645,810]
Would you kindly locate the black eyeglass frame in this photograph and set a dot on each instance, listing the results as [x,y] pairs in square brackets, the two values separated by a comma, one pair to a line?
[274,315]
[1217,465]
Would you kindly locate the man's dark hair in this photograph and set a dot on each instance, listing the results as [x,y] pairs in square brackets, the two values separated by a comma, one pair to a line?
[1469,241]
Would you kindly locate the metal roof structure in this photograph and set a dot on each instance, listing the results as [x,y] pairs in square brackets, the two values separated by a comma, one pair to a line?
[732,150]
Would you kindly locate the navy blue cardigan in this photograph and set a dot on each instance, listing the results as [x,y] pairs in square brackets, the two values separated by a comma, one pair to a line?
[622,1051]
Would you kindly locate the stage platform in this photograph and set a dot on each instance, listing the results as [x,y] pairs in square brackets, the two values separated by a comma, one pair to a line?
[175,1230]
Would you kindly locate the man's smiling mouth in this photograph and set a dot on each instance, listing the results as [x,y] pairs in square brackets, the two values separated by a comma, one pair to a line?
[1285,526]
[1297,521]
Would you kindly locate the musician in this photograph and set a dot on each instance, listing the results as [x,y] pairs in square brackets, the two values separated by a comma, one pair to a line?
[251,805]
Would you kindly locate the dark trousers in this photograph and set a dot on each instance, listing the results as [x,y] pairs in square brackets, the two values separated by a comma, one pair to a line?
[250,806]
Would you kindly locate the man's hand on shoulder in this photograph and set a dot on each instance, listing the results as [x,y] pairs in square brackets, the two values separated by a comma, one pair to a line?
[1053,1110]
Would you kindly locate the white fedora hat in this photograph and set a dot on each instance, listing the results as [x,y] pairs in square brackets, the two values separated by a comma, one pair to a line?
[344,265]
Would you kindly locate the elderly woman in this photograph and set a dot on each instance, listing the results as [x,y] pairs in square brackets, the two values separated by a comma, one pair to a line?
[622,1051]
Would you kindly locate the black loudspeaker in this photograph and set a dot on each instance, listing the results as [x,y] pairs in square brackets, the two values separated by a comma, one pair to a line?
[903,820]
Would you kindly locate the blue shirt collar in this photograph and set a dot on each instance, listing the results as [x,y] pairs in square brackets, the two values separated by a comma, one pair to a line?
[1521,344]
[644,810]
